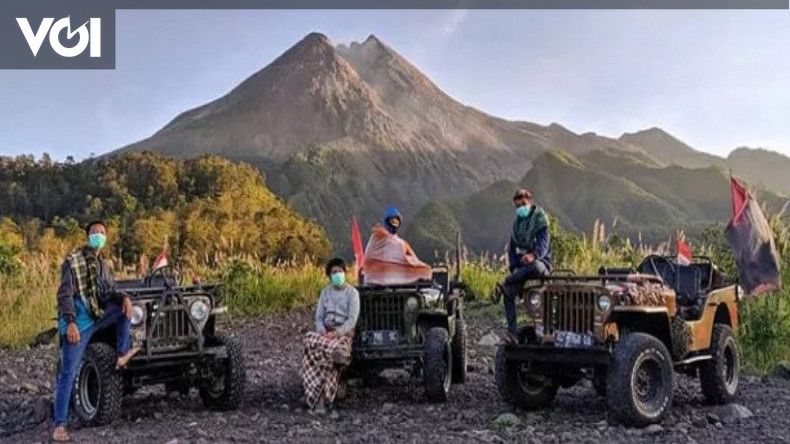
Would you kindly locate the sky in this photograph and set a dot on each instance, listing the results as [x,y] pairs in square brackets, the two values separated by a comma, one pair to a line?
[715,79]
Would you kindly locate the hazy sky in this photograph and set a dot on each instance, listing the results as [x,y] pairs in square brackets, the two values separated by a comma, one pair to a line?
[716,80]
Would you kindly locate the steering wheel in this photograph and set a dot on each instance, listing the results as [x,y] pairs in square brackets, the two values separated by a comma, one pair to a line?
[168,279]
[653,260]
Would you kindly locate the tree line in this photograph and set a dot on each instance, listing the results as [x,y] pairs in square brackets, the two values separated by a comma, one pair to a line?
[200,209]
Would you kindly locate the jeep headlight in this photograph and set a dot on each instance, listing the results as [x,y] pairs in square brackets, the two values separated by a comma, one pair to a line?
[198,310]
[138,314]
[534,300]
[604,302]
[412,303]
[431,296]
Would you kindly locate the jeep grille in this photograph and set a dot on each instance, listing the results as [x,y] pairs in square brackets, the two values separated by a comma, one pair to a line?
[569,310]
[385,311]
[171,328]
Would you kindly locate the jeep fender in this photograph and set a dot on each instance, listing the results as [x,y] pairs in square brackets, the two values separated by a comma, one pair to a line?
[650,320]
[435,318]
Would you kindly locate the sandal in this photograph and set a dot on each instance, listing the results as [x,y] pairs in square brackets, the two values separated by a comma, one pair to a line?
[60,434]
[123,360]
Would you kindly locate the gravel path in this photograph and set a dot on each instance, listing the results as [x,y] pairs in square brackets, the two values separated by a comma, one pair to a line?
[394,411]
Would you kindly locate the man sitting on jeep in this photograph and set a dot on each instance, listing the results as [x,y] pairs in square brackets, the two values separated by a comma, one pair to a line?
[529,253]
[389,259]
[87,303]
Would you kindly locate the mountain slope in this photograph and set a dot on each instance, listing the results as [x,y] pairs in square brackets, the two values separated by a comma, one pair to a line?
[767,168]
[631,196]
[669,150]
[349,130]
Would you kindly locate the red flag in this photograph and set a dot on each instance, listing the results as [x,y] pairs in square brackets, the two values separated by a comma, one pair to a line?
[739,197]
[684,252]
[160,261]
[752,243]
[356,243]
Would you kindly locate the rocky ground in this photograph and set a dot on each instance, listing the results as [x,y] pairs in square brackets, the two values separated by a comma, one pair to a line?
[394,411]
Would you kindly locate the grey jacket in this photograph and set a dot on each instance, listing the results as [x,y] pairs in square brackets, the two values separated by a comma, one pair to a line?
[338,309]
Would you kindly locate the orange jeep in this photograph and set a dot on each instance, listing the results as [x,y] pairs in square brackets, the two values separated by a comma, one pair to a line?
[628,331]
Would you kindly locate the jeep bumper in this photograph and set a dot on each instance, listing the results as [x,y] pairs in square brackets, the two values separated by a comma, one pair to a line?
[208,353]
[549,354]
[389,353]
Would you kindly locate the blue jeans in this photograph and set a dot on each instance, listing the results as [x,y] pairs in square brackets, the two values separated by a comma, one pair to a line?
[513,284]
[71,357]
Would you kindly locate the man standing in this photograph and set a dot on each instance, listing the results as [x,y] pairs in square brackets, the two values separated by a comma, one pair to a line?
[87,303]
[529,253]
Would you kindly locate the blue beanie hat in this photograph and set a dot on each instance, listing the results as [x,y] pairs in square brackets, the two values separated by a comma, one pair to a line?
[390,213]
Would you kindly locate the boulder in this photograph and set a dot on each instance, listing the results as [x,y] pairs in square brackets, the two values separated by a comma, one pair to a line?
[506,420]
[733,412]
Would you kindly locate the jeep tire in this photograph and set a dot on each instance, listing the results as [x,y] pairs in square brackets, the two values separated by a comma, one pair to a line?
[98,387]
[639,380]
[530,392]
[437,364]
[225,390]
[459,351]
[719,376]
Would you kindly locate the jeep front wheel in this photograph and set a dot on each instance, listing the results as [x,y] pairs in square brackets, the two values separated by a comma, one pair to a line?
[98,387]
[519,387]
[437,364]
[639,380]
[225,389]
[719,376]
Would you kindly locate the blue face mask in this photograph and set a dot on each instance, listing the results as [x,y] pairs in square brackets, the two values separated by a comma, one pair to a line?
[523,211]
[338,278]
[97,241]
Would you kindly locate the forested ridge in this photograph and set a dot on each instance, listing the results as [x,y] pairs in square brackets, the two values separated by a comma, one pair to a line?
[200,209]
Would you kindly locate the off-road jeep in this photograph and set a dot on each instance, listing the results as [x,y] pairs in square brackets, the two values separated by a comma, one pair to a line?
[626,330]
[417,326]
[175,326]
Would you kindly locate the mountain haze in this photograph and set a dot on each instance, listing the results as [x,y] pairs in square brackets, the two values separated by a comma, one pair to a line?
[348,130]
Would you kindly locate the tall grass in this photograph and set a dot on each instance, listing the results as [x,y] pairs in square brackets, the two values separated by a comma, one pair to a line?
[764,333]
[253,288]
[27,299]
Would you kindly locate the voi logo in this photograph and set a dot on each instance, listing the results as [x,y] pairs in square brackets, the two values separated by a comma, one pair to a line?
[88,34]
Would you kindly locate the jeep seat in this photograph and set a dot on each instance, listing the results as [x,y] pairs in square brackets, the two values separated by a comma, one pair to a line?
[687,286]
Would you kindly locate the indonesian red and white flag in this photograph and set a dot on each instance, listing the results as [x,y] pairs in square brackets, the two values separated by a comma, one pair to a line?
[684,252]
[160,261]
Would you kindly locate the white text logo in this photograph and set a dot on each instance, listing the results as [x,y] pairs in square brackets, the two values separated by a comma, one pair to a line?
[89,34]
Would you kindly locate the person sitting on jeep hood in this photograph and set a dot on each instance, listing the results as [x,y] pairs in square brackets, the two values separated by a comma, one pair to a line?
[389,259]
[529,252]
[87,303]
[335,319]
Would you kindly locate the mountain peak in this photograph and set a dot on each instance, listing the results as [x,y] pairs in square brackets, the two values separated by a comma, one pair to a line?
[311,46]
[653,133]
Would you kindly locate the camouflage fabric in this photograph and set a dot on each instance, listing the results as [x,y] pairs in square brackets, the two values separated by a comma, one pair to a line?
[84,266]
[647,292]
